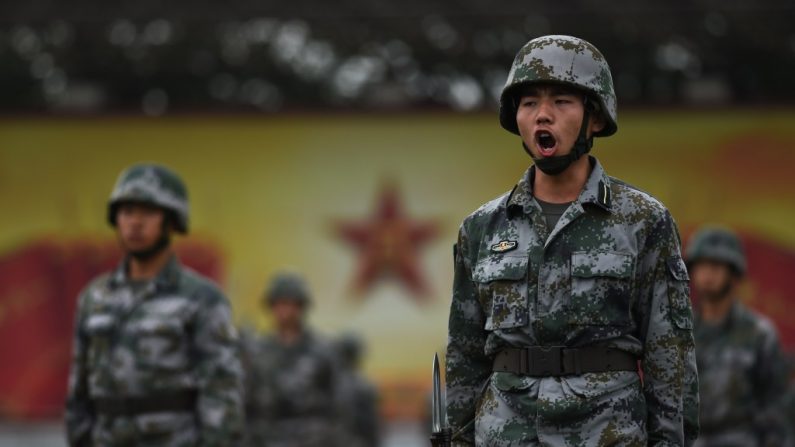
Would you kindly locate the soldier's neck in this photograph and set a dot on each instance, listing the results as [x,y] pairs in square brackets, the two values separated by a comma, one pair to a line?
[138,269]
[564,187]
[290,335]
[715,311]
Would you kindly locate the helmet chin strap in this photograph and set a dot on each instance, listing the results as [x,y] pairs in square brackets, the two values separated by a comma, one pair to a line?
[558,164]
[148,253]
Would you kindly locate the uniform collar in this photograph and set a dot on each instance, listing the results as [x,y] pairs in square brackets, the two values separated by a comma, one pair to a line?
[596,191]
[734,314]
[167,278]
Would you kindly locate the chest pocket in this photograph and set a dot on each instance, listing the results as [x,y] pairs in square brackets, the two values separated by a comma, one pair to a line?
[502,289]
[601,286]
[161,344]
[99,329]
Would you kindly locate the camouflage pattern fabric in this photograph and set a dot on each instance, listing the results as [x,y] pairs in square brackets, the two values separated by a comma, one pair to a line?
[173,335]
[359,410]
[288,285]
[358,396]
[789,404]
[609,273]
[291,392]
[743,382]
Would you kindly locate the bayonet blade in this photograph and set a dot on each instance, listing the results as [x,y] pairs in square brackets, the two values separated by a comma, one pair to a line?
[437,409]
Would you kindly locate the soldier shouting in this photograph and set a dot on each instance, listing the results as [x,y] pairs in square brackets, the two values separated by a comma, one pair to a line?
[569,285]
[155,360]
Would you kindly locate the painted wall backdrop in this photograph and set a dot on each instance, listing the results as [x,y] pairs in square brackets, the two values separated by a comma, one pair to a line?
[367,207]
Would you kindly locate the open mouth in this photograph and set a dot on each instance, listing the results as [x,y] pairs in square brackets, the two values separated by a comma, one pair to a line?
[546,143]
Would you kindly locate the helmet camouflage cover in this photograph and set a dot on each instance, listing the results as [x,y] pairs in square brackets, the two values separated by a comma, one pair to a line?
[288,286]
[717,244]
[155,185]
[561,60]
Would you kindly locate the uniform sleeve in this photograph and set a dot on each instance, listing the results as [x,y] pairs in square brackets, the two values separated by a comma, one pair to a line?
[220,375]
[248,341]
[770,384]
[467,367]
[670,379]
[368,423]
[335,371]
[79,415]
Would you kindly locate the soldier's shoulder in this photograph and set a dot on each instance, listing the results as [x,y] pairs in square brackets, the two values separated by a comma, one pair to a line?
[99,282]
[629,198]
[195,284]
[97,285]
[756,322]
[488,210]
[249,335]
[262,341]
[321,344]
[319,340]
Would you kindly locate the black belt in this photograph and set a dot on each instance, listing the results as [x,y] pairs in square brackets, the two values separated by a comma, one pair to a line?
[545,361]
[132,406]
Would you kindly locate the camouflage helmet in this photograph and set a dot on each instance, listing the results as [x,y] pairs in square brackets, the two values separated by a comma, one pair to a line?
[717,244]
[289,286]
[561,60]
[155,185]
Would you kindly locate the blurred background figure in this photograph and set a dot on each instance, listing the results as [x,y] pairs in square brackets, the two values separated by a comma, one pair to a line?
[742,372]
[154,359]
[291,375]
[358,396]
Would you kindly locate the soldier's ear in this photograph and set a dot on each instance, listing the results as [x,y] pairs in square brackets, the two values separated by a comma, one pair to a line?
[598,122]
[169,222]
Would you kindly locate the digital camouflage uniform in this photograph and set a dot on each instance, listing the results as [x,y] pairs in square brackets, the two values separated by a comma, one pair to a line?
[358,397]
[166,337]
[789,403]
[610,273]
[743,380]
[290,396]
[291,390]
[742,371]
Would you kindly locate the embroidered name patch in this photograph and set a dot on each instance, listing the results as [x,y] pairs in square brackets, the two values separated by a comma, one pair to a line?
[503,246]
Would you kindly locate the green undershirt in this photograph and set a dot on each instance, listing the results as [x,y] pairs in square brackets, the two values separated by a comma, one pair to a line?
[552,212]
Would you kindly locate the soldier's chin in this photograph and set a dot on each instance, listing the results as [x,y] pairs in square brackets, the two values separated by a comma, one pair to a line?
[145,252]
[135,246]
[713,297]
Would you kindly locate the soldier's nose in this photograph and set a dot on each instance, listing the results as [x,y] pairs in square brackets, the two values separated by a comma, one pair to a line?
[543,116]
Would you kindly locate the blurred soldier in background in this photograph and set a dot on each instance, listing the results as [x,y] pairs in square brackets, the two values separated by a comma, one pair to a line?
[789,401]
[742,372]
[291,397]
[155,359]
[358,396]
[565,283]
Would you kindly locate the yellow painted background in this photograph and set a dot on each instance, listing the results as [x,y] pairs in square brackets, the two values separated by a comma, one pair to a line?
[266,190]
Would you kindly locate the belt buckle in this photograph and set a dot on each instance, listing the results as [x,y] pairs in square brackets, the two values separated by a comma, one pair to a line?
[545,360]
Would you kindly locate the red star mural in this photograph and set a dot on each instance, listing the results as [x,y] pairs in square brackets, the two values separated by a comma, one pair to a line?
[388,244]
